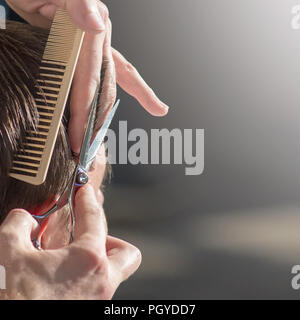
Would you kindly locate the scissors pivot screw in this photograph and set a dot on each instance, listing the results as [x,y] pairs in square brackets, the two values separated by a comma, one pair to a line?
[82,178]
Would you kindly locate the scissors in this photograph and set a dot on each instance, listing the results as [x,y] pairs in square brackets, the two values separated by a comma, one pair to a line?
[79,177]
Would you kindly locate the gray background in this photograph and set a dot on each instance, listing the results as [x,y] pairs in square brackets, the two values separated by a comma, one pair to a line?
[233,68]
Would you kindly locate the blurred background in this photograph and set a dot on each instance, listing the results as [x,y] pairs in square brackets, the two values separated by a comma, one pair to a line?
[232,68]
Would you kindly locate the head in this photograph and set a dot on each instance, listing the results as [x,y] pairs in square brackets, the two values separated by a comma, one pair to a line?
[21,51]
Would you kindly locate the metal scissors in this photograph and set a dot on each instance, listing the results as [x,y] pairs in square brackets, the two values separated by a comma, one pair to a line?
[79,178]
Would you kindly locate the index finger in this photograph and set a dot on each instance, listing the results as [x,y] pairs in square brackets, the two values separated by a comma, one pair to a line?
[85,82]
[131,81]
[98,169]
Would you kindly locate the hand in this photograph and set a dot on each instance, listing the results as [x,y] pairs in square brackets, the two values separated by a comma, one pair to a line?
[92,16]
[92,267]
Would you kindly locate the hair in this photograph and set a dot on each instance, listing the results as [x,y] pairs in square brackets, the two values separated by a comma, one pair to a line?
[21,50]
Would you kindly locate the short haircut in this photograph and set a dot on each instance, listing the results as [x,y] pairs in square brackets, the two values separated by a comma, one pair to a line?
[21,50]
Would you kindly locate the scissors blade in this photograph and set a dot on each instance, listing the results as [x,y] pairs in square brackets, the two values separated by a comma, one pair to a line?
[83,156]
[100,136]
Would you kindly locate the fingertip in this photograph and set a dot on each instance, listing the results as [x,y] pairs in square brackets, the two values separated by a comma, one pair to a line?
[74,138]
[158,109]
[20,218]
[134,260]
[74,147]
[164,109]
[137,256]
[48,10]
[125,256]
[20,212]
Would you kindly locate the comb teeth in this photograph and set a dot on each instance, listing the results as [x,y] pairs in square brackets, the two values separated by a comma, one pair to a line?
[56,73]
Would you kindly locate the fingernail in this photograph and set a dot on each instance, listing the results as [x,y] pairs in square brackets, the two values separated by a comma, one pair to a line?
[96,21]
[165,107]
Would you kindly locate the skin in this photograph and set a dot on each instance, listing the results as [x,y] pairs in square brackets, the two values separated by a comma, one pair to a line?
[102,262]
[93,17]
[56,234]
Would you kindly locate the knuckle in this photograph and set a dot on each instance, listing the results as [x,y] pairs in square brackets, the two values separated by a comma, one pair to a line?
[94,82]
[95,258]
[110,74]
[20,215]
[92,258]
[104,11]
[108,28]
[82,192]
[128,67]
[112,95]
[109,24]
[10,241]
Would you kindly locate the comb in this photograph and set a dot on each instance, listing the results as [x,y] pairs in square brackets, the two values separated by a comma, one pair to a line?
[31,163]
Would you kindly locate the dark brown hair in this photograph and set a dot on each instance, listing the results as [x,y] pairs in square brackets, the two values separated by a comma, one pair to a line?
[21,49]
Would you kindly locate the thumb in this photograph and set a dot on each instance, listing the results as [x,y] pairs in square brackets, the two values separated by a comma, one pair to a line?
[123,257]
[21,226]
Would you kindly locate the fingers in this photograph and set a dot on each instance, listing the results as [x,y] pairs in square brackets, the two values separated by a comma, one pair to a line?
[90,227]
[97,170]
[19,226]
[95,57]
[124,258]
[48,11]
[131,81]
[85,82]
[89,15]
[108,85]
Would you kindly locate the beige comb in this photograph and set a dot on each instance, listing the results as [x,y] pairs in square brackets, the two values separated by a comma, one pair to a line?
[56,73]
